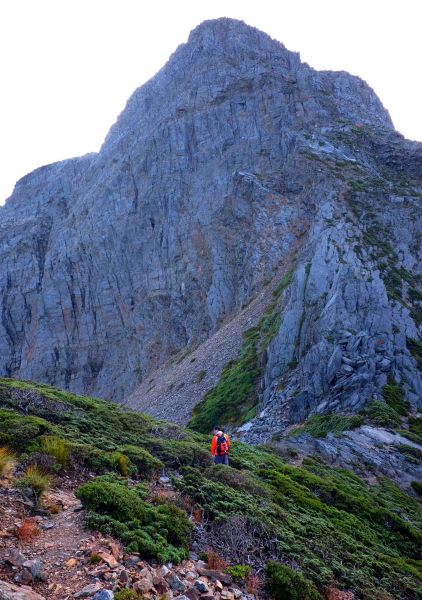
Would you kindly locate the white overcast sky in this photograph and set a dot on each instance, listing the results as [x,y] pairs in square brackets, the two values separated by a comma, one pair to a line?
[67,67]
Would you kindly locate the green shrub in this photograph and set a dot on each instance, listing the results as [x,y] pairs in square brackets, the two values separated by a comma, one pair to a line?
[86,455]
[127,595]
[176,453]
[19,432]
[161,532]
[121,463]
[236,479]
[319,425]
[239,572]
[417,486]
[57,448]
[415,348]
[412,454]
[394,397]
[415,429]
[112,499]
[283,583]
[146,464]
[379,413]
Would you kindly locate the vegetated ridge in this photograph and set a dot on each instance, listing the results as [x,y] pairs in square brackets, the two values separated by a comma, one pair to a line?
[269,524]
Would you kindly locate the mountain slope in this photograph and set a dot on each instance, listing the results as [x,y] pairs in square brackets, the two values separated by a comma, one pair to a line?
[235,159]
[338,530]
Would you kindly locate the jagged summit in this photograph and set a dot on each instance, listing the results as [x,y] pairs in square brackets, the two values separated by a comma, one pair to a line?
[225,56]
[228,34]
[233,162]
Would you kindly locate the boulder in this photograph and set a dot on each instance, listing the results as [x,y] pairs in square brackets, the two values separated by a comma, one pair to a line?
[88,590]
[9,591]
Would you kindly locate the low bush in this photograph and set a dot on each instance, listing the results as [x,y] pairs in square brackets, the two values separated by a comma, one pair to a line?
[86,455]
[146,464]
[161,532]
[176,453]
[413,455]
[127,595]
[283,583]
[236,479]
[7,462]
[121,463]
[112,499]
[239,572]
[18,432]
[415,429]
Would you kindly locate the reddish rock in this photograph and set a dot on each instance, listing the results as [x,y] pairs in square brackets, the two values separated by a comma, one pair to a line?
[9,591]
[109,559]
[192,593]
[161,585]
[143,585]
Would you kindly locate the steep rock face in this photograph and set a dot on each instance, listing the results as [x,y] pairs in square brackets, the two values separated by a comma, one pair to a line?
[354,311]
[233,159]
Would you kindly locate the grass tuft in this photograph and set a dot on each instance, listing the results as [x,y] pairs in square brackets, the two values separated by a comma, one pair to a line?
[7,462]
[319,425]
[35,479]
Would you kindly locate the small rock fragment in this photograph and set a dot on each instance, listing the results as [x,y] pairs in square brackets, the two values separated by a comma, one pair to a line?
[88,590]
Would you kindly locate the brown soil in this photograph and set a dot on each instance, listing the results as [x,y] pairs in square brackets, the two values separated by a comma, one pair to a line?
[65,539]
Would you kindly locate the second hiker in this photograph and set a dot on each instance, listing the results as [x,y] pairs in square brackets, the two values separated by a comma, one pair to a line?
[220,447]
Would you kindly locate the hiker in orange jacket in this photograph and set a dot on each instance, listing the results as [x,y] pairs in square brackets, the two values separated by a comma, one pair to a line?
[220,447]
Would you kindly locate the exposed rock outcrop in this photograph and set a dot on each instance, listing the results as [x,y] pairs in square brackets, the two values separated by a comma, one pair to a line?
[233,160]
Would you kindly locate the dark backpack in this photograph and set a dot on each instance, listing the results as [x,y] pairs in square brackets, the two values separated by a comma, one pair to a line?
[222,445]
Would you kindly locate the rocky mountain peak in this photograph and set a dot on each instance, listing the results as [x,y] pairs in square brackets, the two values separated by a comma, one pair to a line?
[234,167]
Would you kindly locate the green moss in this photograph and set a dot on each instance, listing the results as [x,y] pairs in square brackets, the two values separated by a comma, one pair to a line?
[319,425]
[381,414]
[283,583]
[239,572]
[234,398]
[234,394]
[394,397]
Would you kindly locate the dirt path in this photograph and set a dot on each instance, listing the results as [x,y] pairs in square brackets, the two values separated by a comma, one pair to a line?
[60,538]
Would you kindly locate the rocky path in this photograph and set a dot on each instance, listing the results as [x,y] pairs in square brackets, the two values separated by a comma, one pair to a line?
[52,557]
[43,551]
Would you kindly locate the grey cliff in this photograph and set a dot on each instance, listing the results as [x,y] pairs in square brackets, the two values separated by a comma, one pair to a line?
[235,159]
